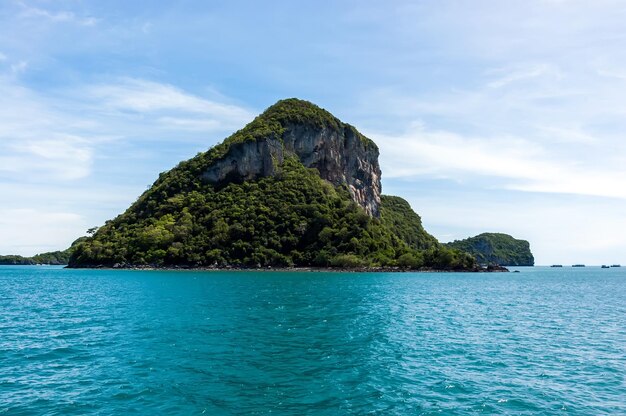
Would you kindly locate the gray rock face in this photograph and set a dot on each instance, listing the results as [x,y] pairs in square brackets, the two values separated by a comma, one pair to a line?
[247,161]
[340,156]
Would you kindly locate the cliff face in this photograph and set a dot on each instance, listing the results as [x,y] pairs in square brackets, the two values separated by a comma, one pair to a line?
[340,155]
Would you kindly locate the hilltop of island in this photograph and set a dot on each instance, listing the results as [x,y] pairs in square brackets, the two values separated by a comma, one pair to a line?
[296,187]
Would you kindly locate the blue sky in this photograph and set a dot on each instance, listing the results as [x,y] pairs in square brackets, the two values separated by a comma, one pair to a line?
[490,116]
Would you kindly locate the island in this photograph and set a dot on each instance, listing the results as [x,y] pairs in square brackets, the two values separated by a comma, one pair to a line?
[51,258]
[296,187]
[496,248]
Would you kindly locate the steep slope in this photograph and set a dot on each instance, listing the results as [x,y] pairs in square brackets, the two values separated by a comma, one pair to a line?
[399,217]
[496,248]
[296,186]
[337,150]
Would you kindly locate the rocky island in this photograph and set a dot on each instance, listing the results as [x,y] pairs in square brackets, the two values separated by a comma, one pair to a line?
[296,187]
[496,248]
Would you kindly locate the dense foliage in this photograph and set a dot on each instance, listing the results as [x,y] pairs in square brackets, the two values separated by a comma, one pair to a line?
[272,122]
[397,215]
[496,248]
[13,259]
[51,258]
[294,218]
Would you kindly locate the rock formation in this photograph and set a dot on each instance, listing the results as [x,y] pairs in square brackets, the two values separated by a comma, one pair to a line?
[341,155]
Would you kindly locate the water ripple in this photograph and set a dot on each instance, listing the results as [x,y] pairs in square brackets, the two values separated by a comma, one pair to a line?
[121,342]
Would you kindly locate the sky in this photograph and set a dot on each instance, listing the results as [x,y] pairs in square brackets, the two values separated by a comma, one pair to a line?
[490,116]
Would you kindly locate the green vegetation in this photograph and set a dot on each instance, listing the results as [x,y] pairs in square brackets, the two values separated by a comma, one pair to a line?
[496,248]
[397,215]
[293,218]
[13,259]
[51,258]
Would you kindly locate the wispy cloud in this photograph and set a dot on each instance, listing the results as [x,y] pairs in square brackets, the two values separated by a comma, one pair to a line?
[612,73]
[59,139]
[193,124]
[182,109]
[508,76]
[19,67]
[61,16]
[57,136]
[531,127]
[499,96]
[65,157]
[28,231]
[500,162]
[37,141]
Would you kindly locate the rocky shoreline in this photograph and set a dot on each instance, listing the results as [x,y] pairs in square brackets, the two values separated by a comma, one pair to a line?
[488,269]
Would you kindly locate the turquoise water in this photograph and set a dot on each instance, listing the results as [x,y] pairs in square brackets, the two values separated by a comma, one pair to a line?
[543,341]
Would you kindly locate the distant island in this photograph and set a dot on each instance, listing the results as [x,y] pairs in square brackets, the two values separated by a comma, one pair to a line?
[296,187]
[55,258]
[496,248]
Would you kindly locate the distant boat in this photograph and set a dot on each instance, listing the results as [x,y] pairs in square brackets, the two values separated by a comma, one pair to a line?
[604,266]
[578,265]
[557,265]
[616,265]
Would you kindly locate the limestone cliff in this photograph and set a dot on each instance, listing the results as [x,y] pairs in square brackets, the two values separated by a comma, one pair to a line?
[337,150]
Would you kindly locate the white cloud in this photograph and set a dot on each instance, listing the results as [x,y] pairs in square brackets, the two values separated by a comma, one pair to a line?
[141,95]
[29,231]
[19,67]
[177,123]
[524,135]
[565,135]
[535,127]
[58,135]
[88,144]
[504,162]
[422,152]
[612,73]
[58,17]
[37,141]
[510,75]
[65,158]
[146,28]
[3,57]
[147,97]
[525,95]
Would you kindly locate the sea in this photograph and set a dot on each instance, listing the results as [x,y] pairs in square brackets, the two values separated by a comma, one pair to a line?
[543,341]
